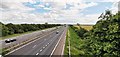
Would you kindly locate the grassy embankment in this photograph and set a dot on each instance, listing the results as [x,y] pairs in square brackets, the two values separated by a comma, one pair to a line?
[75,44]
[14,35]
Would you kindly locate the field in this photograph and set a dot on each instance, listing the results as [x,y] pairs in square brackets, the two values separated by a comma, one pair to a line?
[87,27]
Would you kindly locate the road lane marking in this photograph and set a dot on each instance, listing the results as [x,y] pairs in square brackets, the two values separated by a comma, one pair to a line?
[7,43]
[40,50]
[34,46]
[37,53]
[48,43]
[56,44]
[43,47]
[36,37]
[30,43]
[63,45]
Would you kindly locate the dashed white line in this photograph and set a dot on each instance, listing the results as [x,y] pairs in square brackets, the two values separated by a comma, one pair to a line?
[37,53]
[43,47]
[34,46]
[56,44]
[48,43]
[27,44]
[40,50]
[7,43]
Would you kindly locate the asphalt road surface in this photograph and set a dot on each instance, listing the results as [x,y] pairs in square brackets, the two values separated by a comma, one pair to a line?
[42,46]
[25,37]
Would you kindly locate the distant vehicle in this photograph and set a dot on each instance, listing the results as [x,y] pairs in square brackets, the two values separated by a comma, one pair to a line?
[57,32]
[10,40]
[7,41]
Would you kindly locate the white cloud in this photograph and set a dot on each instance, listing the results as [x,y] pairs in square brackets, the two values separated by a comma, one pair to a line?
[114,7]
[41,5]
[18,1]
[14,6]
[18,17]
[102,0]
[47,8]
[16,12]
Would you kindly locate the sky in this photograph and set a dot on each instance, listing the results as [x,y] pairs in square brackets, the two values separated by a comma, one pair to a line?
[54,11]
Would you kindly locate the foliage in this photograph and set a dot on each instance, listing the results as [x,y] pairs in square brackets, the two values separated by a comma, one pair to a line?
[75,43]
[9,29]
[102,41]
[79,31]
[104,38]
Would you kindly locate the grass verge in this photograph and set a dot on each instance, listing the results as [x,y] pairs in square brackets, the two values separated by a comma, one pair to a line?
[76,44]
[66,49]
[14,35]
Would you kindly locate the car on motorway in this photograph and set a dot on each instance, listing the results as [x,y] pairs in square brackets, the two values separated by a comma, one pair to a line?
[10,40]
[57,32]
[7,41]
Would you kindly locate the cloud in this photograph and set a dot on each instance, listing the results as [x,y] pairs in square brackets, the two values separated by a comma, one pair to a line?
[17,12]
[102,0]
[115,7]
[41,5]
[14,6]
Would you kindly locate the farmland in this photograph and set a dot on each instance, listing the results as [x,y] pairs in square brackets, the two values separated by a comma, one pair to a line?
[87,27]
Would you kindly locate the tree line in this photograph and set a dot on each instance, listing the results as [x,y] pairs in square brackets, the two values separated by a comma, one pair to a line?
[9,29]
[104,39]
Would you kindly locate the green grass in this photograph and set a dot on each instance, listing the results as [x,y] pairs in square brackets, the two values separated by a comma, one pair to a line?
[76,44]
[14,35]
[66,50]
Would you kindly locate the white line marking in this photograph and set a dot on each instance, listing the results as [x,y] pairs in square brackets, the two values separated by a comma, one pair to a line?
[63,46]
[43,47]
[7,43]
[69,42]
[27,44]
[34,46]
[56,44]
[36,37]
[40,50]
[48,43]
[37,53]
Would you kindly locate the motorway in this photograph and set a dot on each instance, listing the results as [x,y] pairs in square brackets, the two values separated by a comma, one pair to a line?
[44,45]
[24,37]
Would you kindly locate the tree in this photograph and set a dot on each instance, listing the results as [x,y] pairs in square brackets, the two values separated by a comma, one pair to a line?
[104,38]
[9,29]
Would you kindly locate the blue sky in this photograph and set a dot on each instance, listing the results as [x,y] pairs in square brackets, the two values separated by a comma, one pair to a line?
[98,9]
[41,11]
